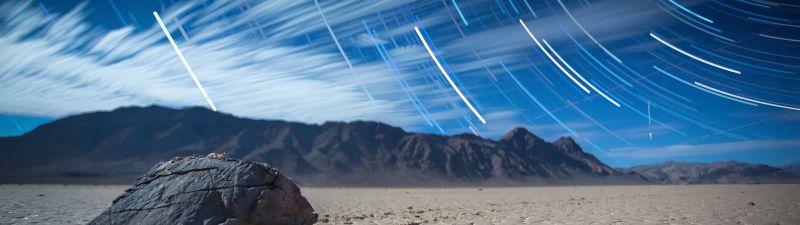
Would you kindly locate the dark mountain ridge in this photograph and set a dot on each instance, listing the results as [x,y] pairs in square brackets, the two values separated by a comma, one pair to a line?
[118,145]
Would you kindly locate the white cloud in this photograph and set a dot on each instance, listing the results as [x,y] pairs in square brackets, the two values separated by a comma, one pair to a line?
[672,151]
[72,66]
[247,57]
[367,41]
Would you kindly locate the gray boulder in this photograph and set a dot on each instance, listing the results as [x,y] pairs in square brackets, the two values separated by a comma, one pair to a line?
[210,190]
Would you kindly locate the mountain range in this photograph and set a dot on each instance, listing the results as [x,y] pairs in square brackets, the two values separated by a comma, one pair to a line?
[117,146]
[723,172]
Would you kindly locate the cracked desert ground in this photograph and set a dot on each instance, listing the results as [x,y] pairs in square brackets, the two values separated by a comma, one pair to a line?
[659,204]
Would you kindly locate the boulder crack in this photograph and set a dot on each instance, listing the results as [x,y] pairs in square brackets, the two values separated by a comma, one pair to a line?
[182,172]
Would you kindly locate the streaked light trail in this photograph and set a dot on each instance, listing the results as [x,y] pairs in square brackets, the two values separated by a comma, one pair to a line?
[691,12]
[403,84]
[525,90]
[513,6]
[594,58]
[180,55]
[180,28]
[474,131]
[116,11]
[339,46]
[530,9]
[551,57]
[778,38]
[19,128]
[693,56]
[745,98]
[587,33]
[430,52]
[599,89]
[695,86]
[579,75]
[649,120]
[455,5]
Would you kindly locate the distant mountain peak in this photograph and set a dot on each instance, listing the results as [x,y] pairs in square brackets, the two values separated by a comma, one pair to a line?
[520,134]
[565,140]
[568,144]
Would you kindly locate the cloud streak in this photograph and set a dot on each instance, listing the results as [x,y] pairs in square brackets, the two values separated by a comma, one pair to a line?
[64,65]
[673,151]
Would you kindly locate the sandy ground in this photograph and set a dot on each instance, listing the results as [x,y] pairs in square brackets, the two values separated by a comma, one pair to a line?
[712,204]
[695,204]
[54,204]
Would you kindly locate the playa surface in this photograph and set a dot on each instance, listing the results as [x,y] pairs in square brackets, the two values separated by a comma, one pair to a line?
[663,204]
[54,204]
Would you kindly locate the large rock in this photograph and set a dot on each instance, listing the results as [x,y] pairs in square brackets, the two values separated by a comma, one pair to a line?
[210,190]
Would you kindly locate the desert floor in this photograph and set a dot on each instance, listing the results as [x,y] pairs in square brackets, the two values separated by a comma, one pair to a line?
[668,204]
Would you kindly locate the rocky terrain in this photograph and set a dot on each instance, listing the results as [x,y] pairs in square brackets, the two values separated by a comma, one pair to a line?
[210,190]
[117,146]
[725,172]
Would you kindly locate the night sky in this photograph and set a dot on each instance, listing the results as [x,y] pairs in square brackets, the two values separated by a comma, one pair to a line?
[633,81]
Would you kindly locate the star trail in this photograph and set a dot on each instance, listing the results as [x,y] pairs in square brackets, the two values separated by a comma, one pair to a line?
[624,76]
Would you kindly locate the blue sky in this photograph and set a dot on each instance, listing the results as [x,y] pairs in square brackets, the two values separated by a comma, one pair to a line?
[707,80]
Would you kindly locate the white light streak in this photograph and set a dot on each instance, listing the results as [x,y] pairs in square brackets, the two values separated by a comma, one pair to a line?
[779,38]
[579,75]
[649,120]
[430,52]
[699,88]
[551,57]
[180,55]
[745,98]
[693,56]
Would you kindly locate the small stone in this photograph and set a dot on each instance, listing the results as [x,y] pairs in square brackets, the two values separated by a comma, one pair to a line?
[751,203]
[214,155]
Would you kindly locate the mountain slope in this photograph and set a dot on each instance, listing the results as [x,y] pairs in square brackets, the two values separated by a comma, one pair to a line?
[118,145]
[723,172]
[793,168]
